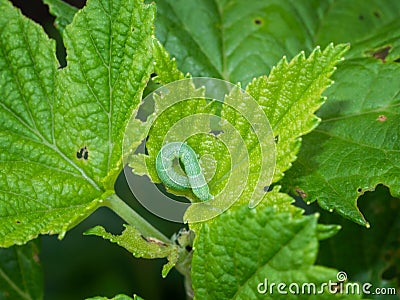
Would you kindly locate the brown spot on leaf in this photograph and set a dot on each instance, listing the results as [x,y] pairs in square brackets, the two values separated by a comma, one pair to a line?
[36,258]
[301,193]
[381,53]
[382,118]
[154,241]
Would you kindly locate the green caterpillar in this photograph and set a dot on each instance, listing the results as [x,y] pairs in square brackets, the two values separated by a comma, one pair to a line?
[194,178]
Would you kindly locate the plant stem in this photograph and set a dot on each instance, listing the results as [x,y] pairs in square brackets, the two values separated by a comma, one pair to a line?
[133,218]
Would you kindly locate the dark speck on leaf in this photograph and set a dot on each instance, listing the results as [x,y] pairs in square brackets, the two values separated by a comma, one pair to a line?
[277,139]
[82,153]
[79,154]
[188,248]
[257,22]
[377,14]
[359,190]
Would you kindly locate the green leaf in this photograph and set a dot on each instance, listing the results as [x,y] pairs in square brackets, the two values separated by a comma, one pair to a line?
[118,297]
[48,117]
[140,246]
[21,275]
[236,41]
[356,146]
[145,164]
[216,49]
[290,95]
[374,25]
[63,12]
[164,67]
[327,231]
[244,247]
[367,255]
[121,58]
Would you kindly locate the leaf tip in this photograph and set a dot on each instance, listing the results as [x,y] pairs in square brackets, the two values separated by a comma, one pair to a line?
[62,235]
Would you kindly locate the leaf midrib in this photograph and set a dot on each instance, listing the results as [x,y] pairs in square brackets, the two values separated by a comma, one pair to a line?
[14,286]
[183,27]
[361,113]
[349,141]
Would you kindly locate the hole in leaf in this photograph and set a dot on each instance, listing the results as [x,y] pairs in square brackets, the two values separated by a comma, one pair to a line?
[267,188]
[359,190]
[153,75]
[145,148]
[82,153]
[390,273]
[277,139]
[216,132]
